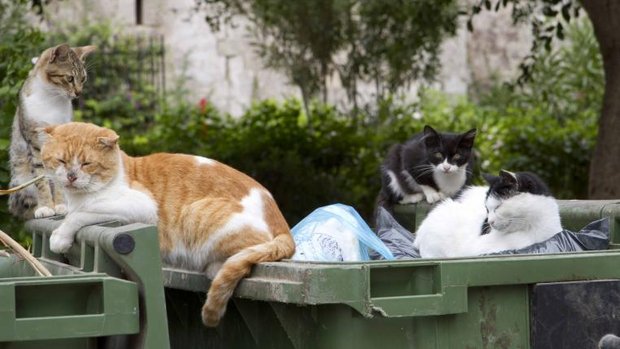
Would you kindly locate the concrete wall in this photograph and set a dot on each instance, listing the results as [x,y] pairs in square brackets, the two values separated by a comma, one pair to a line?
[222,67]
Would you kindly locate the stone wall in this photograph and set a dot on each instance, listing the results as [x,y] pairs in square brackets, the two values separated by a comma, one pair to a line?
[222,67]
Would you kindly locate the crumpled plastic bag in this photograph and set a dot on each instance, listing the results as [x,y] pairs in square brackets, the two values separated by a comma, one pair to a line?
[398,239]
[594,236]
[335,233]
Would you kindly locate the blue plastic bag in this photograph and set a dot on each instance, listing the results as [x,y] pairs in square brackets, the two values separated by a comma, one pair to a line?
[336,233]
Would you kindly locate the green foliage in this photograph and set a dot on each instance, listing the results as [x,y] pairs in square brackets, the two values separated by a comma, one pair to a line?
[548,20]
[386,43]
[19,42]
[120,92]
[528,140]
[303,167]
[549,125]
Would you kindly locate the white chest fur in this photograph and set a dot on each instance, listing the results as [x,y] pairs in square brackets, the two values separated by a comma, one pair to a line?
[46,103]
[450,183]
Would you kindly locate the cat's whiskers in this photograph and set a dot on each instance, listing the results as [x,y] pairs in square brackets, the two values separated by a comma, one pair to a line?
[43,100]
[54,92]
[58,95]
[410,169]
[89,66]
[426,171]
[205,231]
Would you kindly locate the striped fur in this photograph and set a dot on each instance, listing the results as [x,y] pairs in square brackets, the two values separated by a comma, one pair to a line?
[45,98]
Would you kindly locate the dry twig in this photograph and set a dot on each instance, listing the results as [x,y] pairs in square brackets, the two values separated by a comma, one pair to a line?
[21,186]
[19,250]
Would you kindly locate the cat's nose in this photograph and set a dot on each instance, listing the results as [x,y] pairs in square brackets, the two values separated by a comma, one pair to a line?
[445,167]
[71,177]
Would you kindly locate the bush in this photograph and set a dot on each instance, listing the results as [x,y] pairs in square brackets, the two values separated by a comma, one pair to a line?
[19,42]
[547,126]
[123,72]
[303,167]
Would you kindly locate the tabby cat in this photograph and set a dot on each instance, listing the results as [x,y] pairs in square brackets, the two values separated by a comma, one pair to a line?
[57,77]
[211,217]
[430,165]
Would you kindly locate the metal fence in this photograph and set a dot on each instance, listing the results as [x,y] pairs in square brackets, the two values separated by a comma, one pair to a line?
[130,64]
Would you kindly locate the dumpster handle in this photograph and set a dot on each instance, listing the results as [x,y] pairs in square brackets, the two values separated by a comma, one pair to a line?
[452,300]
[444,297]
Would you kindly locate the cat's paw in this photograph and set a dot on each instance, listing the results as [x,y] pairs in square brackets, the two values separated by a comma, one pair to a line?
[61,209]
[23,202]
[433,196]
[44,211]
[412,199]
[59,242]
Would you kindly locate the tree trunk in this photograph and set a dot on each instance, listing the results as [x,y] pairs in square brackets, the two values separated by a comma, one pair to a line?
[604,181]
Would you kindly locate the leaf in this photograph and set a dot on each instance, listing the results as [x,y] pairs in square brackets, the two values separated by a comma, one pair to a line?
[4,143]
[560,31]
[549,11]
[566,12]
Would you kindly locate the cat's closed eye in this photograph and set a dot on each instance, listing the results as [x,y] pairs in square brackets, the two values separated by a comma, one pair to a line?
[61,161]
[438,155]
[70,78]
[456,156]
[86,163]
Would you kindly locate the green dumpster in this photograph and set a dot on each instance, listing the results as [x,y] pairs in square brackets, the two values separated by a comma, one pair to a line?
[485,302]
[105,293]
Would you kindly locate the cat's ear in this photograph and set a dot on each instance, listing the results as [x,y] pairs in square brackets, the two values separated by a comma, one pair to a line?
[429,130]
[108,142]
[491,179]
[84,51]
[431,137]
[44,134]
[508,177]
[59,53]
[467,139]
[49,129]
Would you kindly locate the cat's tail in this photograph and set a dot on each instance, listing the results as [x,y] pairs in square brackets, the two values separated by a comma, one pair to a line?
[236,267]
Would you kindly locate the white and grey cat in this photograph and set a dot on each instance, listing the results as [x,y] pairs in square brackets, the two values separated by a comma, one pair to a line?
[430,165]
[57,77]
[516,210]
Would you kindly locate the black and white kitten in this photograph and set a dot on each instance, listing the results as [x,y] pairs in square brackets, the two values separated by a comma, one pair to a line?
[516,210]
[430,165]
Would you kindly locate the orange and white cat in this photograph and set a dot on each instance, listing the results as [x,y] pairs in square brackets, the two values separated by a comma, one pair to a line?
[210,217]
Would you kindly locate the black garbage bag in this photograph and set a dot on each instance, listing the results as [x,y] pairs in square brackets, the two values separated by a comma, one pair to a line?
[594,236]
[397,239]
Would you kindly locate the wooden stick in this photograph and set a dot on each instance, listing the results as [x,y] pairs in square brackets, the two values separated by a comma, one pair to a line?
[17,248]
[21,186]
